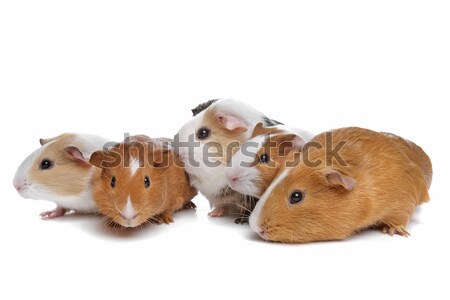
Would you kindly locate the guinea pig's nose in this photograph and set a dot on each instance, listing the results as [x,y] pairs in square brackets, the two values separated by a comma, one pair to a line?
[128,217]
[233,180]
[19,186]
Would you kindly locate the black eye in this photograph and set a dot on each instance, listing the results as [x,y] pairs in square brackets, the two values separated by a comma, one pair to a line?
[113,182]
[296,197]
[203,133]
[146,182]
[264,158]
[45,164]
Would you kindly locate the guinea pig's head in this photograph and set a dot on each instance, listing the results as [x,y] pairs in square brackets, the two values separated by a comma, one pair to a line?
[210,138]
[258,161]
[57,169]
[305,204]
[129,186]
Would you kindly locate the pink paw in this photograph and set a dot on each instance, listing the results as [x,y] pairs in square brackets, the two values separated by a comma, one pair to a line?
[217,212]
[57,212]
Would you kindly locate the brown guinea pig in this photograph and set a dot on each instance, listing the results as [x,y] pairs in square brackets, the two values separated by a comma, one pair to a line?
[140,180]
[258,160]
[352,179]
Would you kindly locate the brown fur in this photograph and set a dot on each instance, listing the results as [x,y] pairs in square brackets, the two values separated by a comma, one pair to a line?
[417,155]
[260,129]
[277,148]
[56,178]
[169,190]
[389,183]
[222,136]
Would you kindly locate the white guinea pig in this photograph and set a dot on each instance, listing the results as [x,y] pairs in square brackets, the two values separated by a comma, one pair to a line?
[206,144]
[258,161]
[59,171]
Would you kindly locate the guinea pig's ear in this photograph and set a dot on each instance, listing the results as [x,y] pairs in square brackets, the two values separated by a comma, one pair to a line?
[258,130]
[337,178]
[97,158]
[231,122]
[46,141]
[75,154]
[162,158]
[287,143]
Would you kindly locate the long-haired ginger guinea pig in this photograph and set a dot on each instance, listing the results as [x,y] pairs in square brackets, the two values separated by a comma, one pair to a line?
[59,171]
[140,180]
[352,179]
[258,161]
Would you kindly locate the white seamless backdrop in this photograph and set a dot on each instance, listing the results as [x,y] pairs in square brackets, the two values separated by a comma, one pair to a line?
[110,67]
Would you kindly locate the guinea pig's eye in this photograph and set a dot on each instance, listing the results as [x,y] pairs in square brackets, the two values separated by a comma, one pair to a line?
[296,197]
[203,133]
[113,182]
[264,158]
[146,182]
[45,164]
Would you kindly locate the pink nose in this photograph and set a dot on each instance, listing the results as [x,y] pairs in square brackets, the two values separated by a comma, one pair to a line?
[128,217]
[234,179]
[18,187]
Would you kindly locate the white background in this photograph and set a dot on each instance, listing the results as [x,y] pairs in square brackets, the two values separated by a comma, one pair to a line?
[109,67]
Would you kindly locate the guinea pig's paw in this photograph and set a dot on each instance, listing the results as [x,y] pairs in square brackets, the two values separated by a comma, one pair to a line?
[57,212]
[393,229]
[217,212]
[190,205]
[164,218]
[242,220]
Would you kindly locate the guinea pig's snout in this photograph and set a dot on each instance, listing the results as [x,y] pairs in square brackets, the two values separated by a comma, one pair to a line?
[262,231]
[20,186]
[233,178]
[128,215]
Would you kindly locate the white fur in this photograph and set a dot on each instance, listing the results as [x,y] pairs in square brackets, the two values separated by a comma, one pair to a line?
[134,166]
[247,176]
[210,181]
[21,176]
[254,217]
[83,202]
[128,211]
[304,134]
[89,143]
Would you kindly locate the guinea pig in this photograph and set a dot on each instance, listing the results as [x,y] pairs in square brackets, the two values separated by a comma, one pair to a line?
[258,161]
[206,144]
[350,179]
[59,171]
[139,181]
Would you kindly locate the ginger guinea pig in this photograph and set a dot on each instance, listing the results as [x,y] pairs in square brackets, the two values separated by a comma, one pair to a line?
[258,161]
[352,179]
[206,144]
[140,180]
[59,171]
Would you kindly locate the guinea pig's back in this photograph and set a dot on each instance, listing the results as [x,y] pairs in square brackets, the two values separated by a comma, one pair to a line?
[416,154]
[398,167]
[382,165]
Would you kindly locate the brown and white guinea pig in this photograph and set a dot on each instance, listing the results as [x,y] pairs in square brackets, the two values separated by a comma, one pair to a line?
[206,144]
[140,180]
[258,161]
[352,179]
[59,171]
